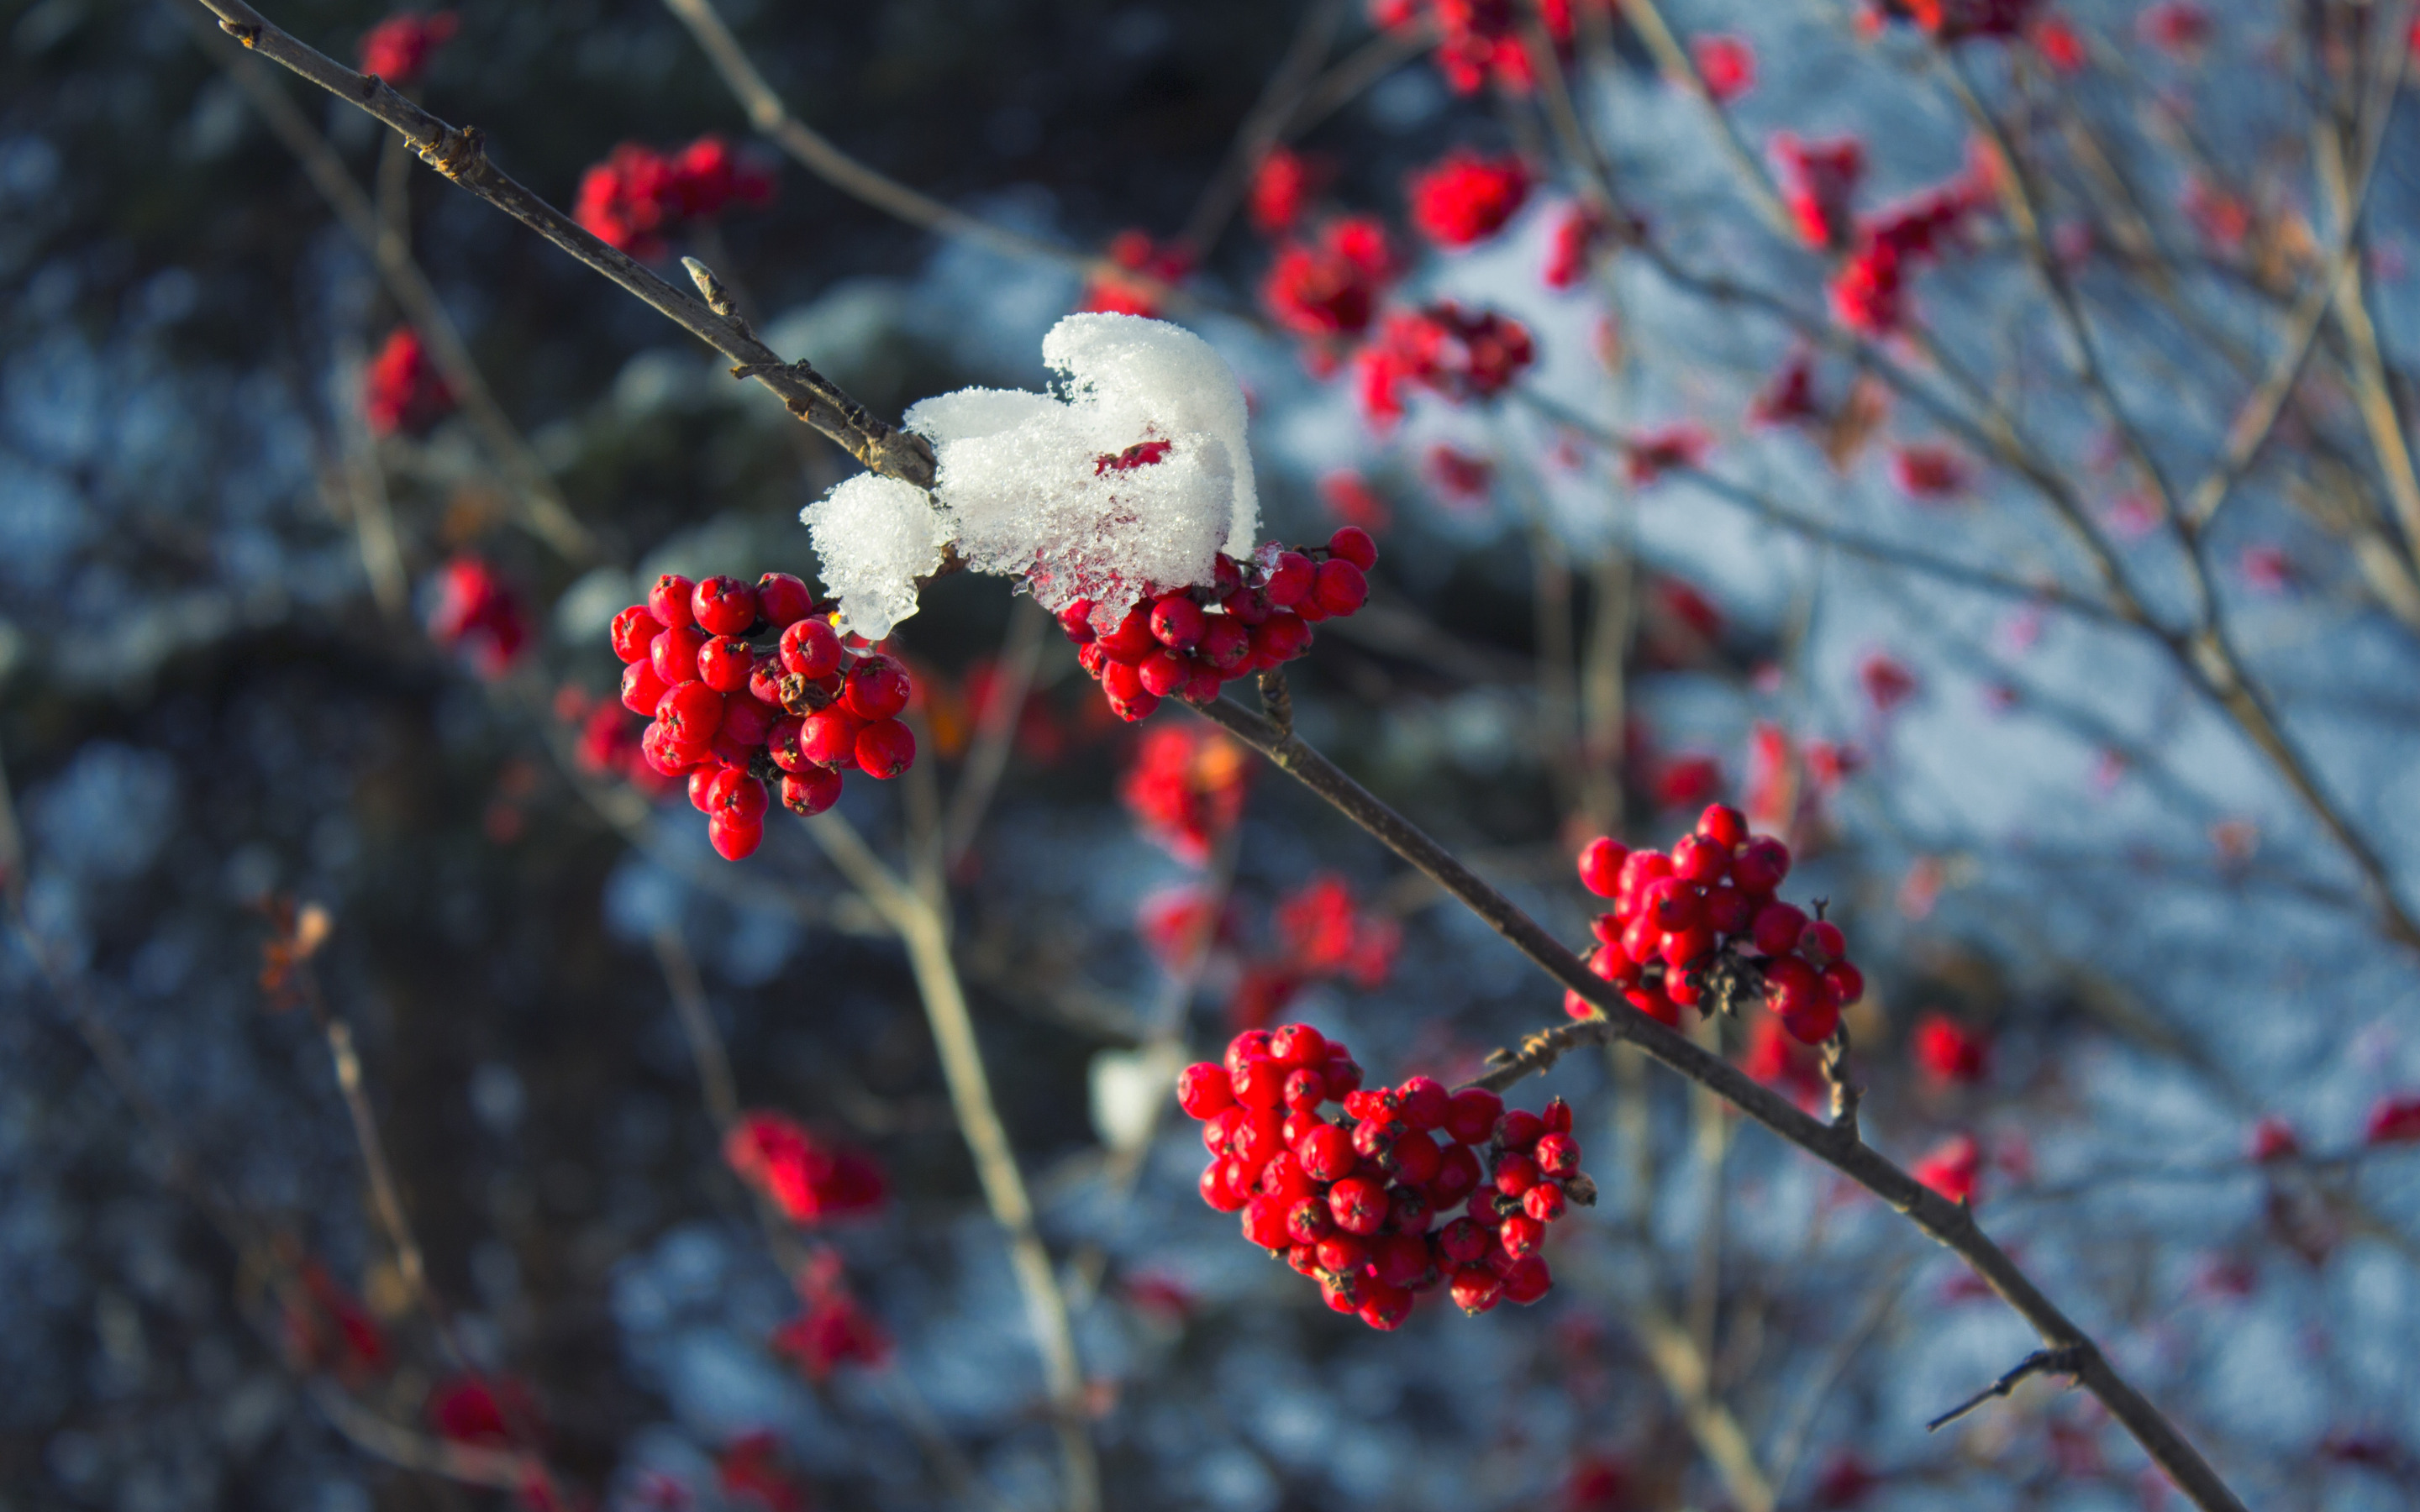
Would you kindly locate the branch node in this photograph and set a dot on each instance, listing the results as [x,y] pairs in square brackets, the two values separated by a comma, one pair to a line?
[454,153]
[371,83]
[1846,1093]
[1276,702]
[2067,1359]
[242,31]
[718,298]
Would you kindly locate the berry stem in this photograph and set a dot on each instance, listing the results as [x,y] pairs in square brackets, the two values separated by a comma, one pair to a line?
[1951,1225]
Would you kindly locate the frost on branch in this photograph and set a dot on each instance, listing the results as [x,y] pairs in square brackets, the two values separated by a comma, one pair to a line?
[1135,473]
[874,538]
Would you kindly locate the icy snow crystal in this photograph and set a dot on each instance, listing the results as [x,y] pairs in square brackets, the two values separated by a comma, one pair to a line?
[1136,474]
[874,536]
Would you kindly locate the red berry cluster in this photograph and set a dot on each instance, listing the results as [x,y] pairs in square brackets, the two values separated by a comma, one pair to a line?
[1467,198]
[399,48]
[1705,910]
[401,392]
[1818,179]
[1187,641]
[1353,1202]
[733,715]
[1134,252]
[476,610]
[1480,41]
[638,194]
[1330,286]
[1452,352]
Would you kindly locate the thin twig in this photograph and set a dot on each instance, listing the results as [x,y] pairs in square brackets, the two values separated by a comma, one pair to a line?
[461,154]
[923,931]
[543,507]
[1952,1224]
[1262,127]
[995,731]
[2040,1363]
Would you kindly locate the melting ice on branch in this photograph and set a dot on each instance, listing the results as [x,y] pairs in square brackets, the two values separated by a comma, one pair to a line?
[1134,474]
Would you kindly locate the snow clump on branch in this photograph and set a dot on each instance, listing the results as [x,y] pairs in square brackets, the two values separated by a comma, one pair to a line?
[1131,477]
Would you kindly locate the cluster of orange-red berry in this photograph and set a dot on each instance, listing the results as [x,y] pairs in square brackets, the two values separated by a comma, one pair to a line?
[1708,903]
[1184,643]
[1353,1202]
[734,717]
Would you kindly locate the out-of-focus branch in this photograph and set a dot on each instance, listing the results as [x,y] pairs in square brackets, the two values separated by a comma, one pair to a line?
[543,508]
[1262,127]
[1950,1223]
[1681,1363]
[461,154]
[922,930]
[1681,71]
[995,731]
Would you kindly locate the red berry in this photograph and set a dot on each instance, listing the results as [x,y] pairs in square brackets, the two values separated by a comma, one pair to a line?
[1675,905]
[1359,1204]
[668,601]
[765,674]
[1342,1073]
[1298,1044]
[1464,1241]
[669,757]
[828,738]
[1520,1235]
[811,648]
[811,792]
[1813,1022]
[1280,638]
[1791,985]
[1544,1202]
[1298,1124]
[1343,1253]
[1777,928]
[1353,544]
[734,839]
[1518,1129]
[1178,623]
[1400,1259]
[1250,605]
[1700,860]
[1527,1282]
[1385,1307]
[1470,1114]
[1723,825]
[1686,948]
[1260,1083]
[1264,1223]
[1164,673]
[1823,942]
[1203,1091]
[1259,1138]
[1422,1101]
[783,600]
[1601,864]
[1077,621]
[700,788]
[877,688]
[1244,1047]
[747,723]
[782,744]
[1308,1222]
[1846,982]
[1515,1173]
[1374,1138]
[1290,580]
[673,655]
[634,631]
[1326,1153]
[642,689]
[1415,1160]
[1728,910]
[723,605]
[1652,1002]
[1124,683]
[1558,1155]
[1304,1089]
[1476,1290]
[1282,1177]
[691,712]
[1132,639]
[885,748]
[1760,864]
[1216,1191]
[1557,1116]
[724,664]
[1225,642]
[736,794]
[1340,588]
